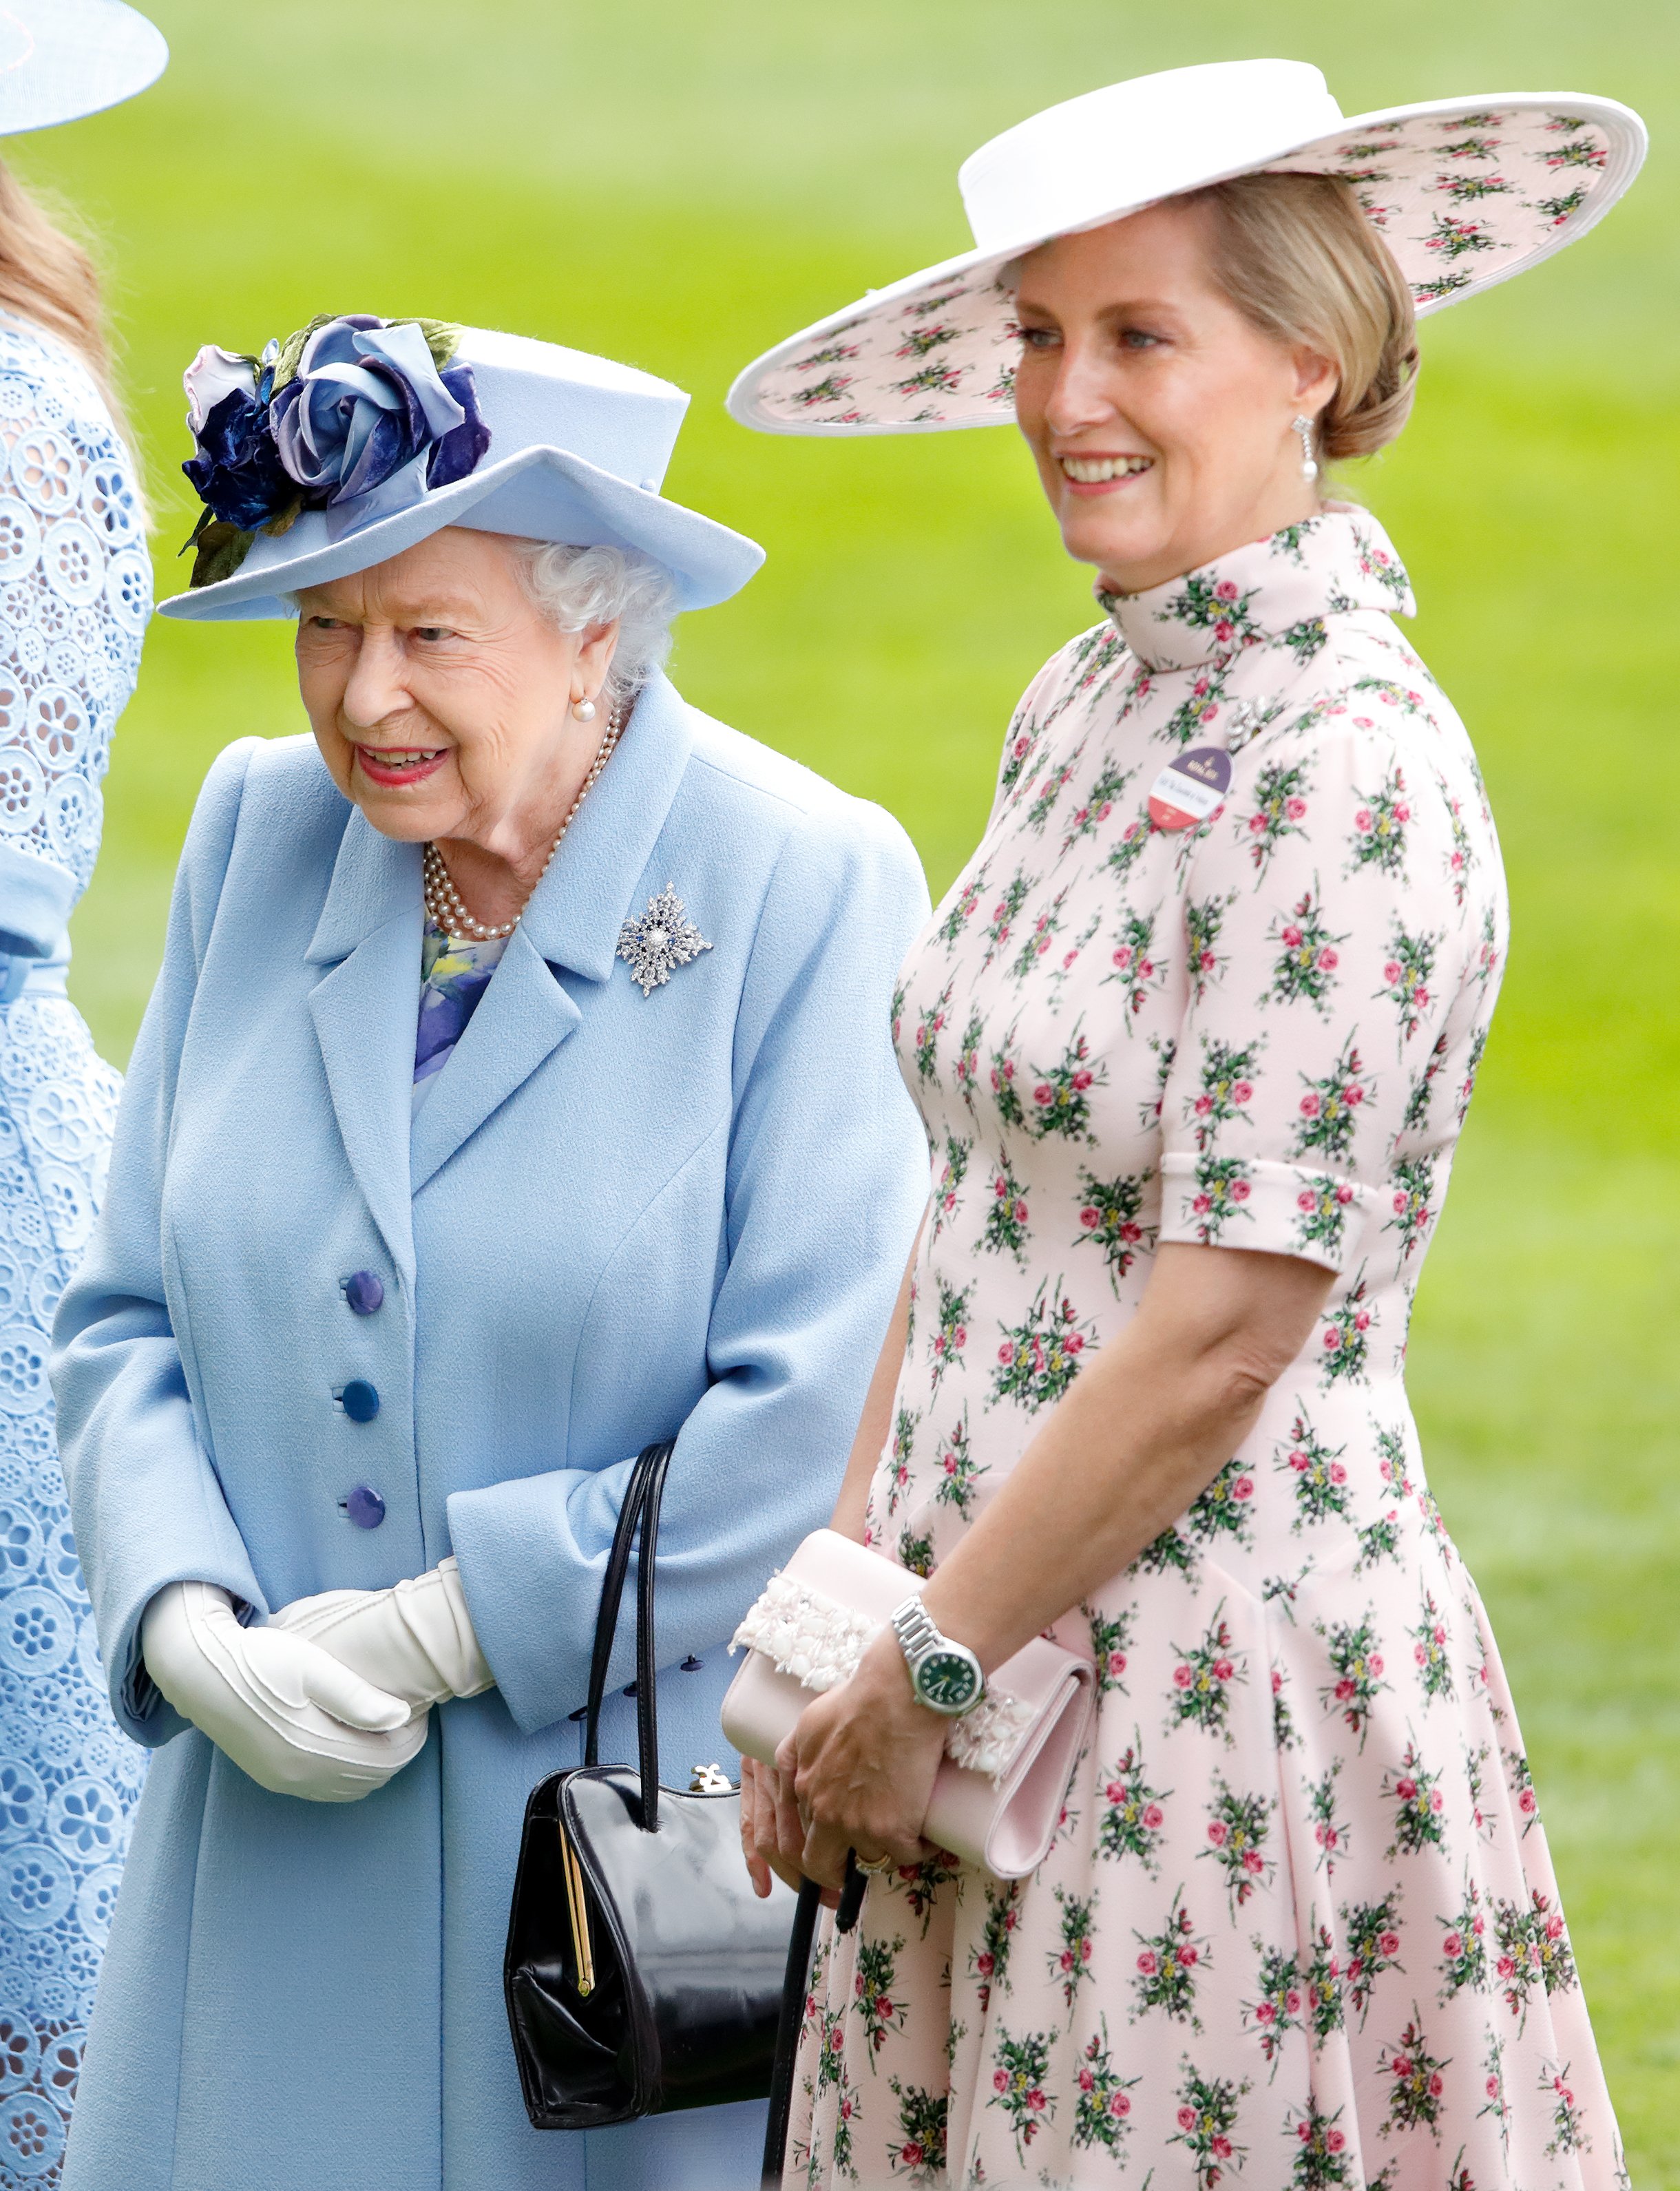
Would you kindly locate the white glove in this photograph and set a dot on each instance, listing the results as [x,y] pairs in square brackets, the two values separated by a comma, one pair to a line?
[286,1711]
[414,1641]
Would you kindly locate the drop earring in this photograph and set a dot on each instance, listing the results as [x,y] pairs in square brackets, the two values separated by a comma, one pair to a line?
[1309,464]
[583,710]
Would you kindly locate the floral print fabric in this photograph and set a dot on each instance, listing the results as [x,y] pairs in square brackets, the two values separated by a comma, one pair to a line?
[1461,198]
[1298,1928]
[454,973]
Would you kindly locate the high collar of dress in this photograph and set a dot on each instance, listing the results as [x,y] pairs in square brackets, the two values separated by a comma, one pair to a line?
[1335,563]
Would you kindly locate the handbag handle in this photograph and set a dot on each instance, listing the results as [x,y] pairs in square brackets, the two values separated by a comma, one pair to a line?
[795,1981]
[638,1515]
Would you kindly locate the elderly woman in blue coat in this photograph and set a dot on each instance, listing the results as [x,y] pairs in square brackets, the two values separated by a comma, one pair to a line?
[517,1089]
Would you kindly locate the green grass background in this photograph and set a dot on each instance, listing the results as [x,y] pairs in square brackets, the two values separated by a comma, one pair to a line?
[680,183]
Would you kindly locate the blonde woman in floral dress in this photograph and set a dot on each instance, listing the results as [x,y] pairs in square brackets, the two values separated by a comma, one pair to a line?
[1193,1035]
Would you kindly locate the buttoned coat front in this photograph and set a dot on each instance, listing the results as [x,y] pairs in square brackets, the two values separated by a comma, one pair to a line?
[617,1215]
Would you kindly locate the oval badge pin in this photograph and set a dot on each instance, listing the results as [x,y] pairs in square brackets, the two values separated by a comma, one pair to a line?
[1191,789]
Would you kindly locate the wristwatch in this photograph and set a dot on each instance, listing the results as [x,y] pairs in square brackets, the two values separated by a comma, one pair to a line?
[945,1675]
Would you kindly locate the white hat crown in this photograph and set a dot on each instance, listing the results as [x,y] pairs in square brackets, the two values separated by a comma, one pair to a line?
[1148,138]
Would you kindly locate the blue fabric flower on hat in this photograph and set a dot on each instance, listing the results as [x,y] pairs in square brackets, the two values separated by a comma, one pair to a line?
[238,472]
[354,415]
[366,401]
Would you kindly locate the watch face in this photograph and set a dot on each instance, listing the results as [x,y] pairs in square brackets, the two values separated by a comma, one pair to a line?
[948,1680]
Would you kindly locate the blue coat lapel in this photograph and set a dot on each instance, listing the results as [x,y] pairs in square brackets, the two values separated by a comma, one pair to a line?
[521,1019]
[364,1009]
[576,913]
[573,921]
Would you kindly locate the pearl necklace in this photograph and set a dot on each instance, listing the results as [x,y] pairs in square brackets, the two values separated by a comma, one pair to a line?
[443,900]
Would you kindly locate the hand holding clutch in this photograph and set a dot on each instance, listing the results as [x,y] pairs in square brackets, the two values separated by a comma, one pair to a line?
[997,1791]
[415,1641]
[283,1709]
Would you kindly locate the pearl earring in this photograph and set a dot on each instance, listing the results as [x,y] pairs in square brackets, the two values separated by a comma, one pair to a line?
[1309,462]
[583,710]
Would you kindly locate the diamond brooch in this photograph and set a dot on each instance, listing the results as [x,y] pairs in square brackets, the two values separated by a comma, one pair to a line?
[1250,717]
[656,941]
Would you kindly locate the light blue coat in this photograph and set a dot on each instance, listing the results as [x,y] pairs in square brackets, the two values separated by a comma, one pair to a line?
[619,1215]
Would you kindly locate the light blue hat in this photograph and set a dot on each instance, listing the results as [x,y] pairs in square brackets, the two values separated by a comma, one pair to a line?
[62,59]
[385,431]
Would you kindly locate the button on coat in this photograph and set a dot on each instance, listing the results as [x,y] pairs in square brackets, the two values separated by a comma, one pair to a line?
[365,1507]
[365,1292]
[360,1400]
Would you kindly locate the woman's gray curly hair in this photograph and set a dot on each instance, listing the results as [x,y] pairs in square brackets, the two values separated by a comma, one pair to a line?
[577,589]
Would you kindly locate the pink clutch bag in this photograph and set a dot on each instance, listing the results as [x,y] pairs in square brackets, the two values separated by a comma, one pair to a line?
[998,1795]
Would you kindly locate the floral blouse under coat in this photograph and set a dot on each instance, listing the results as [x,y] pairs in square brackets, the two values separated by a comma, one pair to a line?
[454,973]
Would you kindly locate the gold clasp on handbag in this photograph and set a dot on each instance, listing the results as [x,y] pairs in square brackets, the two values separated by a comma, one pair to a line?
[578,1910]
[710,1780]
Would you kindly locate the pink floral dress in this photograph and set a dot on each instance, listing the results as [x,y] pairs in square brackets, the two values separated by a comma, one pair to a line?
[1298,1928]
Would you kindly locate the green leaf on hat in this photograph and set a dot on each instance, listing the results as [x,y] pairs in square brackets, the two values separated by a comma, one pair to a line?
[443,339]
[222,547]
[286,365]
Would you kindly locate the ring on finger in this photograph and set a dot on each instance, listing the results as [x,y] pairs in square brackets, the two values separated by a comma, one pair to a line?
[874,1868]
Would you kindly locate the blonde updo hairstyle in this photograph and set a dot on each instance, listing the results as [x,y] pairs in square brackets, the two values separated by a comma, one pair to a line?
[1303,264]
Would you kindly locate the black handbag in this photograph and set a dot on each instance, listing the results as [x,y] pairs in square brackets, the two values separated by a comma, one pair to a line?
[642,1973]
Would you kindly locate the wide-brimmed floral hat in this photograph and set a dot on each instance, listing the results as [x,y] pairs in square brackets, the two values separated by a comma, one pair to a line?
[357,437]
[62,59]
[1465,193]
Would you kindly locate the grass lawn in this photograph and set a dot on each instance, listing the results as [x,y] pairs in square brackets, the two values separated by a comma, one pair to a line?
[679,184]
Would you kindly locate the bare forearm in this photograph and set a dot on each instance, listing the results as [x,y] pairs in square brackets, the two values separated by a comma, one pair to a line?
[1133,1441]
[1118,1461]
[875,1422]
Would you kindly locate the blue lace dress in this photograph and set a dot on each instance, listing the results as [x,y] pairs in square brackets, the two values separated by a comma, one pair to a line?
[75,594]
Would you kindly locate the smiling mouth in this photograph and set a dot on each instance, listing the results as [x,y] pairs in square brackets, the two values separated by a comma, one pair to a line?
[1098,471]
[395,765]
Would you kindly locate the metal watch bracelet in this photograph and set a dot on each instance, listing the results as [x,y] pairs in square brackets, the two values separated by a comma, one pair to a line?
[945,1675]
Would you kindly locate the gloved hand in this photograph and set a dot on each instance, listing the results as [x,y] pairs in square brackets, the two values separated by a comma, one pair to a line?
[414,1641]
[286,1711]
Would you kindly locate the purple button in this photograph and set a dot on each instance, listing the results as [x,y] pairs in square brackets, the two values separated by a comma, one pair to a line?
[365,1507]
[364,1292]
